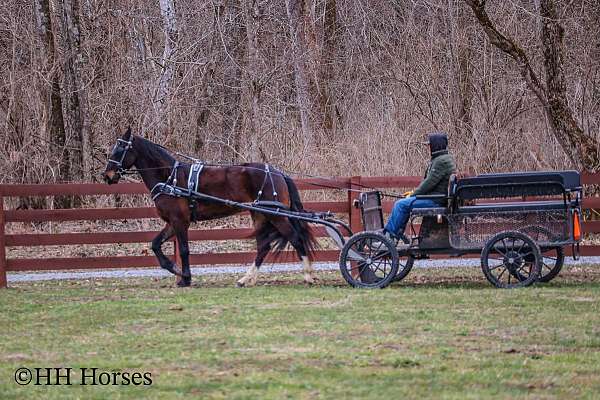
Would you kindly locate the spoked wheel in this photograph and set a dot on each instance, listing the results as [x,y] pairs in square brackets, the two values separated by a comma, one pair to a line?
[404,267]
[511,260]
[369,260]
[553,258]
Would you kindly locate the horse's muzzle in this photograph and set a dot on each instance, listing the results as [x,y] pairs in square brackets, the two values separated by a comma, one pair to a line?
[111,177]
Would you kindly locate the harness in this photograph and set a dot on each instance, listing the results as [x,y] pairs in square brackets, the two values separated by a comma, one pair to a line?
[269,176]
[193,184]
[194,178]
[170,188]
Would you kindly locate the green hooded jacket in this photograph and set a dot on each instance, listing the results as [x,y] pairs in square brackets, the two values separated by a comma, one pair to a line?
[437,175]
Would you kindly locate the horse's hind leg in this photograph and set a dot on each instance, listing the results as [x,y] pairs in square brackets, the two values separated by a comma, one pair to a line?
[286,229]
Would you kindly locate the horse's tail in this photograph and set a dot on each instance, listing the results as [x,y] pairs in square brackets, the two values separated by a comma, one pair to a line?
[302,228]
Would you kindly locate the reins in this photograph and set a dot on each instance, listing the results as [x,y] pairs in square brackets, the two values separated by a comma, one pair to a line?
[268,172]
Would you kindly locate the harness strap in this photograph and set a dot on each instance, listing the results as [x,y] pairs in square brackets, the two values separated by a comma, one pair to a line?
[194,177]
[269,176]
[173,177]
[168,186]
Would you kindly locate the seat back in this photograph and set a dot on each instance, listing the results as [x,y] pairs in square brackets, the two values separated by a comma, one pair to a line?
[371,210]
[517,184]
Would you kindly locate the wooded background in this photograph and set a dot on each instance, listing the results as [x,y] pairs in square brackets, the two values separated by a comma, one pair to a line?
[330,87]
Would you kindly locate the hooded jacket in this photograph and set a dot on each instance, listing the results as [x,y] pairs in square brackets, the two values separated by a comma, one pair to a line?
[439,169]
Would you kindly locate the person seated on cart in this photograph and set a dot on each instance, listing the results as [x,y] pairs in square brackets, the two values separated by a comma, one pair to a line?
[440,168]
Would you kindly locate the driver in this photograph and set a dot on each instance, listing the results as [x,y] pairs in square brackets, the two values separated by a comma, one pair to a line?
[436,180]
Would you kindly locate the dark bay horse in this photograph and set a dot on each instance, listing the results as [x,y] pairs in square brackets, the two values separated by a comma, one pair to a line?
[241,183]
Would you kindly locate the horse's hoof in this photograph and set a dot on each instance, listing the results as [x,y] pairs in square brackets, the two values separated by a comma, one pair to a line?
[240,284]
[176,270]
[172,268]
[185,282]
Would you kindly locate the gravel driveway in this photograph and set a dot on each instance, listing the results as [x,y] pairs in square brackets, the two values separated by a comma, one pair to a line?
[238,269]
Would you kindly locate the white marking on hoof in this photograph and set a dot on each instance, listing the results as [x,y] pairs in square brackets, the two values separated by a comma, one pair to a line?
[308,270]
[250,278]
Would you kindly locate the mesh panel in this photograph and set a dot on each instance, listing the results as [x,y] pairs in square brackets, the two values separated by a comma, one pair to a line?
[474,230]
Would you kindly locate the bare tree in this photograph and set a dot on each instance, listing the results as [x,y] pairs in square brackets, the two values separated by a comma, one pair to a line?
[252,16]
[460,58]
[245,79]
[326,64]
[297,22]
[54,123]
[581,148]
[167,72]
[74,93]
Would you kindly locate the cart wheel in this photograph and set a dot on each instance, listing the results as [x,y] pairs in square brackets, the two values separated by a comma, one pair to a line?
[369,260]
[510,260]
[553,258]
[552,261]
[404,267]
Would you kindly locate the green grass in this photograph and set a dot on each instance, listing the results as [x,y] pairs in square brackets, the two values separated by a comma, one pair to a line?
[440,334]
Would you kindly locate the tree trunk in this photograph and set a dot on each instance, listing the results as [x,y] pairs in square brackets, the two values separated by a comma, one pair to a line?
[581,148]
[253,86]
[163,90]
[560,115]
[74,95]
[206,94]
[297,19]
[234,42]
[326,100]
[460,62]
[54,125]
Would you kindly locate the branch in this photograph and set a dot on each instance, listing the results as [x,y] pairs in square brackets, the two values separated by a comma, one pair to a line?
[508,46]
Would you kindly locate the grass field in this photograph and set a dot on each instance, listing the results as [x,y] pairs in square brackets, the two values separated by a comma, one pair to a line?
[441,334]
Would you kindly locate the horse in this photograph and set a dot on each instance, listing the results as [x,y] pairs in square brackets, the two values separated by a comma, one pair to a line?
[243,183]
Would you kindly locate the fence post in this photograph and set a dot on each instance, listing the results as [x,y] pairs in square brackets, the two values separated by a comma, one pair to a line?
[354,217]
[354,213]
[3,280]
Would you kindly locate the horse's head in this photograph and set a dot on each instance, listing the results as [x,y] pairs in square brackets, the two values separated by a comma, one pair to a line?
[121,158]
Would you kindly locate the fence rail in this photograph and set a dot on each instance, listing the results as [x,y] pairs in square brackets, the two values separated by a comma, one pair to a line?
[101,214]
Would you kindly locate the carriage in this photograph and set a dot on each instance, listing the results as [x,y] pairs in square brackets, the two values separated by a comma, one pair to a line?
[520,242]
[519,224]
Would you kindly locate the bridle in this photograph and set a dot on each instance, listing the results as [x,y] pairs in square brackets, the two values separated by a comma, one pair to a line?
[125,145]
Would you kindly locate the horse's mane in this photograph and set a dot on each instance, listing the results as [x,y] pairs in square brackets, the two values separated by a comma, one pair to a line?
[153,151]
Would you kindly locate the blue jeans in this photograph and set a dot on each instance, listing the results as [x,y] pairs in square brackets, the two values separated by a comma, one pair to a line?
[401,212]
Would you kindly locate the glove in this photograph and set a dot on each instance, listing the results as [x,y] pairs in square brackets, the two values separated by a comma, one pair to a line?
[408,194]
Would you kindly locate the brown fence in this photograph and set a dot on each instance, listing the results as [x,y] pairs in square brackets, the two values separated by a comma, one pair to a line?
[94,214]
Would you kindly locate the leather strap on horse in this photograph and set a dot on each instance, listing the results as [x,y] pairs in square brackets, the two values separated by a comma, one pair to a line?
[269,176]
[193,184]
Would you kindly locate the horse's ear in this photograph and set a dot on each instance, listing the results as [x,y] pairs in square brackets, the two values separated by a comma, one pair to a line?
[127,134]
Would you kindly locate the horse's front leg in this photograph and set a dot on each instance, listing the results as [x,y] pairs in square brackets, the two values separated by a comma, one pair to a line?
[167,233]
[184,253]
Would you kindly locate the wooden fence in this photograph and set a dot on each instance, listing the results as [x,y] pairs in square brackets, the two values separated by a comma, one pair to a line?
[128,213]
